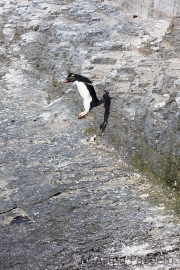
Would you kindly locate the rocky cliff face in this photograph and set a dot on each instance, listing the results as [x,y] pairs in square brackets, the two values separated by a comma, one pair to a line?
[145,111]
[145,85]
[135,61]
[67,199]
[153,8]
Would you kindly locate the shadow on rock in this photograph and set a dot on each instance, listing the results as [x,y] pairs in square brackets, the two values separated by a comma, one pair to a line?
[107,105]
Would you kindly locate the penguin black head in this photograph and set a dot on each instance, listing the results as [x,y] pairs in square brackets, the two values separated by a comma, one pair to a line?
[72,77]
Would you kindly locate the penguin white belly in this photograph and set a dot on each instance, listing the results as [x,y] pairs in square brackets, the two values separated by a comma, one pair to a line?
[83,91]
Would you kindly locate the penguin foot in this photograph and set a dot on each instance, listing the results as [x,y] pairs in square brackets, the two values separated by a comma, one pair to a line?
[82,114]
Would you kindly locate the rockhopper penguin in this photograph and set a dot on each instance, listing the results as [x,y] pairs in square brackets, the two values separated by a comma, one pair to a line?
[86,91]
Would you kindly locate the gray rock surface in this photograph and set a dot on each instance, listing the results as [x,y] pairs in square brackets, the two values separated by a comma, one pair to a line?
[153,8]
[68,198]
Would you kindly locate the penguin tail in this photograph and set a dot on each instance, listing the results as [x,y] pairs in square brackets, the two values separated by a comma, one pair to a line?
[97,103]
[100,102]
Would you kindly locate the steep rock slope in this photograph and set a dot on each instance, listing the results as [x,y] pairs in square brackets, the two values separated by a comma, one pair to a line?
[122,53]
[69,201]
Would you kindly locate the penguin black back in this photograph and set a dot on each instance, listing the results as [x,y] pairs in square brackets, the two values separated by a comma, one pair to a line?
[76,77]
[95,100]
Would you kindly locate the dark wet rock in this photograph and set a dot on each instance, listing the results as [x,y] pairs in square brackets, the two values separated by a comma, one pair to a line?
[19,220]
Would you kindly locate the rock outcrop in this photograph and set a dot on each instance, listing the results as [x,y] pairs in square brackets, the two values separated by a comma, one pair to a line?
[153,8]
[144,83]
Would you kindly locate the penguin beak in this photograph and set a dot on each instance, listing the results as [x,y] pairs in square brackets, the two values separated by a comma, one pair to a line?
[65,81]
